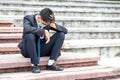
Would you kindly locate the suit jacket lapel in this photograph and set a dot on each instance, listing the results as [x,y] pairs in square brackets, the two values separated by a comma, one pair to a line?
[35,22]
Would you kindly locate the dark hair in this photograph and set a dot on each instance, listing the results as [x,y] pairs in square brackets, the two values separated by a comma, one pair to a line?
[47,15]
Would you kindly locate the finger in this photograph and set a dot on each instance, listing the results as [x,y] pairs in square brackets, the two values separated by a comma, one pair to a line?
[47,41]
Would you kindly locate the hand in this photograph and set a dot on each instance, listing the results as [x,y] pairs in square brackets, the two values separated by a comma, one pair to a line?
[47,36]
[53,25]
[62,48]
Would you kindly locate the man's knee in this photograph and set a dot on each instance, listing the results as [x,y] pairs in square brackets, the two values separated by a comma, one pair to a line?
[61,35]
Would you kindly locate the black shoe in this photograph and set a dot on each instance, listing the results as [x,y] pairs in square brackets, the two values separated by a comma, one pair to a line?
[35,69]
[54,67]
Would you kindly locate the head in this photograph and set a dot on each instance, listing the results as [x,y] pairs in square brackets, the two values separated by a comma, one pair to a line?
[47,16]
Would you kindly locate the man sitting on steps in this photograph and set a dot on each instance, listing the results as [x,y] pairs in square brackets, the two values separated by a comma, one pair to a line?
[37,27]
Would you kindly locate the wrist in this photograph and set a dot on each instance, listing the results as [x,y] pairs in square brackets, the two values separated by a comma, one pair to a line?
[53,25]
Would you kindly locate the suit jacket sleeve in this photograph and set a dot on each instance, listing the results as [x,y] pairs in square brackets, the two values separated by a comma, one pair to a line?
[29,26]
[60,29]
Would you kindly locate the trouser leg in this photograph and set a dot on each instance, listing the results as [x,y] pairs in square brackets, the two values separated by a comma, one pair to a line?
[31,50]
[52,49]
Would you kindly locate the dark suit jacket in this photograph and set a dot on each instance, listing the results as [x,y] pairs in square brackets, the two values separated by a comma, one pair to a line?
[30,26]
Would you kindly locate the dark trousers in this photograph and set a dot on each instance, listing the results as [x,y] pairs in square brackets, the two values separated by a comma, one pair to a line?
[51,49]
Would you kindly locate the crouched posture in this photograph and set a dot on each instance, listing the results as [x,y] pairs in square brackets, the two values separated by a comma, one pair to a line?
[37,27]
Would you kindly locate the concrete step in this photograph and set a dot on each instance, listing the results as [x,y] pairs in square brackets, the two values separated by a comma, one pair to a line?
[10,30]
[14,34]
[68,18]
[10,38]
[76,73]
[93,1]
[6,23]
[57,4]
[78,1]
[63,2]
[82,22]
[62,12]
[12,63]
[93,33]
[98,46]
[103,47]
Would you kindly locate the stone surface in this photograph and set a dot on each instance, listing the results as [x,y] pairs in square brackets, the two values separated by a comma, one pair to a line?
[75,73]
[6,23]
[11,30]
[100,14]
[71,44]
[84,14]
[16,62]
[8,33]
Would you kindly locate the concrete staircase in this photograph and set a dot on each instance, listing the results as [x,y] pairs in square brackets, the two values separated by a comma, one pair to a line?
[83,73]
[14,63]
[69,14]
[93,31]
[102,41]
